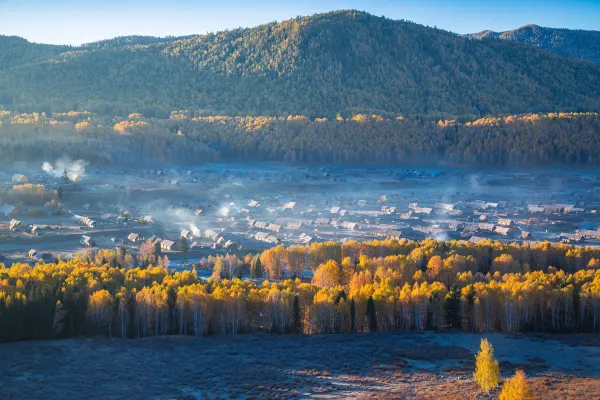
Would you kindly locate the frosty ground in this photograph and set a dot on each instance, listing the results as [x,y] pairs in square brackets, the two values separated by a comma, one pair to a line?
[382,365]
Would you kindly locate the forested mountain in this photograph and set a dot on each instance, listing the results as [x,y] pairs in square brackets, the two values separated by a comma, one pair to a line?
[132,41]
[16,51]
[341,62]
[566,42]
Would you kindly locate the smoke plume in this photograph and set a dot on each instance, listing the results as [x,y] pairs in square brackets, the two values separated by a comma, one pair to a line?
[73,168]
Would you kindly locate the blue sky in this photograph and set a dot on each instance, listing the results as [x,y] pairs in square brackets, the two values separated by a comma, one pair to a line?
[82,21]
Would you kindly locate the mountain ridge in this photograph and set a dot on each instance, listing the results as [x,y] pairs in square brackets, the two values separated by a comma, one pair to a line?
[340,62]
[573,43]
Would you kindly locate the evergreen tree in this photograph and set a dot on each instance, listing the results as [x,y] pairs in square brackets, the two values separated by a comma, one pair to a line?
[297,323]
[452,307]
[371,315]
[352,316]
[256,270]
[184,246]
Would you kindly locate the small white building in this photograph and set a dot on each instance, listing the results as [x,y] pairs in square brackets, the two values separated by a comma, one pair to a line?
[19,178]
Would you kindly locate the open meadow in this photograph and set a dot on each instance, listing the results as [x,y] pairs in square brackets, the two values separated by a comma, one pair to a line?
[254,366]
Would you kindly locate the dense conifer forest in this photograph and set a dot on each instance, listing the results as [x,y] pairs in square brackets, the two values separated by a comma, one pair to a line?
[346,62]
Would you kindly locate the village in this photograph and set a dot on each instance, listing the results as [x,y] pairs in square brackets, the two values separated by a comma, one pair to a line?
[235,208]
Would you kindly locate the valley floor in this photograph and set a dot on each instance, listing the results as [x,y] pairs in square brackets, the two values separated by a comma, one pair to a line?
[383,365]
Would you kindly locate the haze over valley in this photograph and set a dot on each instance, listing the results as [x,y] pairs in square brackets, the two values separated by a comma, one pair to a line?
[338,205]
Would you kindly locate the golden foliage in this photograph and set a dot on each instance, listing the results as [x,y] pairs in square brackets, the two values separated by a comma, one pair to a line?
[516,388]
[487,371]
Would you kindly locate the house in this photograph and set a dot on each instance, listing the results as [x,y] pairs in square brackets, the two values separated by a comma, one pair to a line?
[444,206]
[253,204]
[228,244]
[486,227]
[261,224]
[343,212]
[75,178]
[266,237]
[168,245]
[525,235]
[393,234]
[87,241]
[305,239]
[504,231]
[483,218]
[571,237]
[505,222]
[294,225]
[198,213]
[423,210]
[589,233]
[85,221]
[289,206]
[14,225]
[323,221]
[478,204]
[174,182]
[19,178]
[334,210]
[109,217]
[186,234]
[476,239]
[532,208]
[35,230]
[32,253]
[454,225]
[471,229]
[134,237]
[274,227]
[352,226]
[148,219]
[209,233]
[564,207]
[362,203]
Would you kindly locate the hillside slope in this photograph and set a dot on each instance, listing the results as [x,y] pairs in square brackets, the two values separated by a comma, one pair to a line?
[565,42]
[340,62]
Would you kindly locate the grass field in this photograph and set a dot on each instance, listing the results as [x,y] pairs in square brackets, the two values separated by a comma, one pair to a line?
[385,365]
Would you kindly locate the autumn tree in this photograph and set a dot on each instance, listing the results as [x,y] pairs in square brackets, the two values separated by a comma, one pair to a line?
[328,274]
[435,267]
[516,388]
[487,371]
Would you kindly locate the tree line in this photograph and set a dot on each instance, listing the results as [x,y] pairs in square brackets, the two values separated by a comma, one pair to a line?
[352,287]
[192,137]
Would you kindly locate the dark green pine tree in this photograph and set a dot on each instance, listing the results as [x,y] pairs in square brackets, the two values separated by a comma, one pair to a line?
[371,315]
[297,323]
[452,307]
